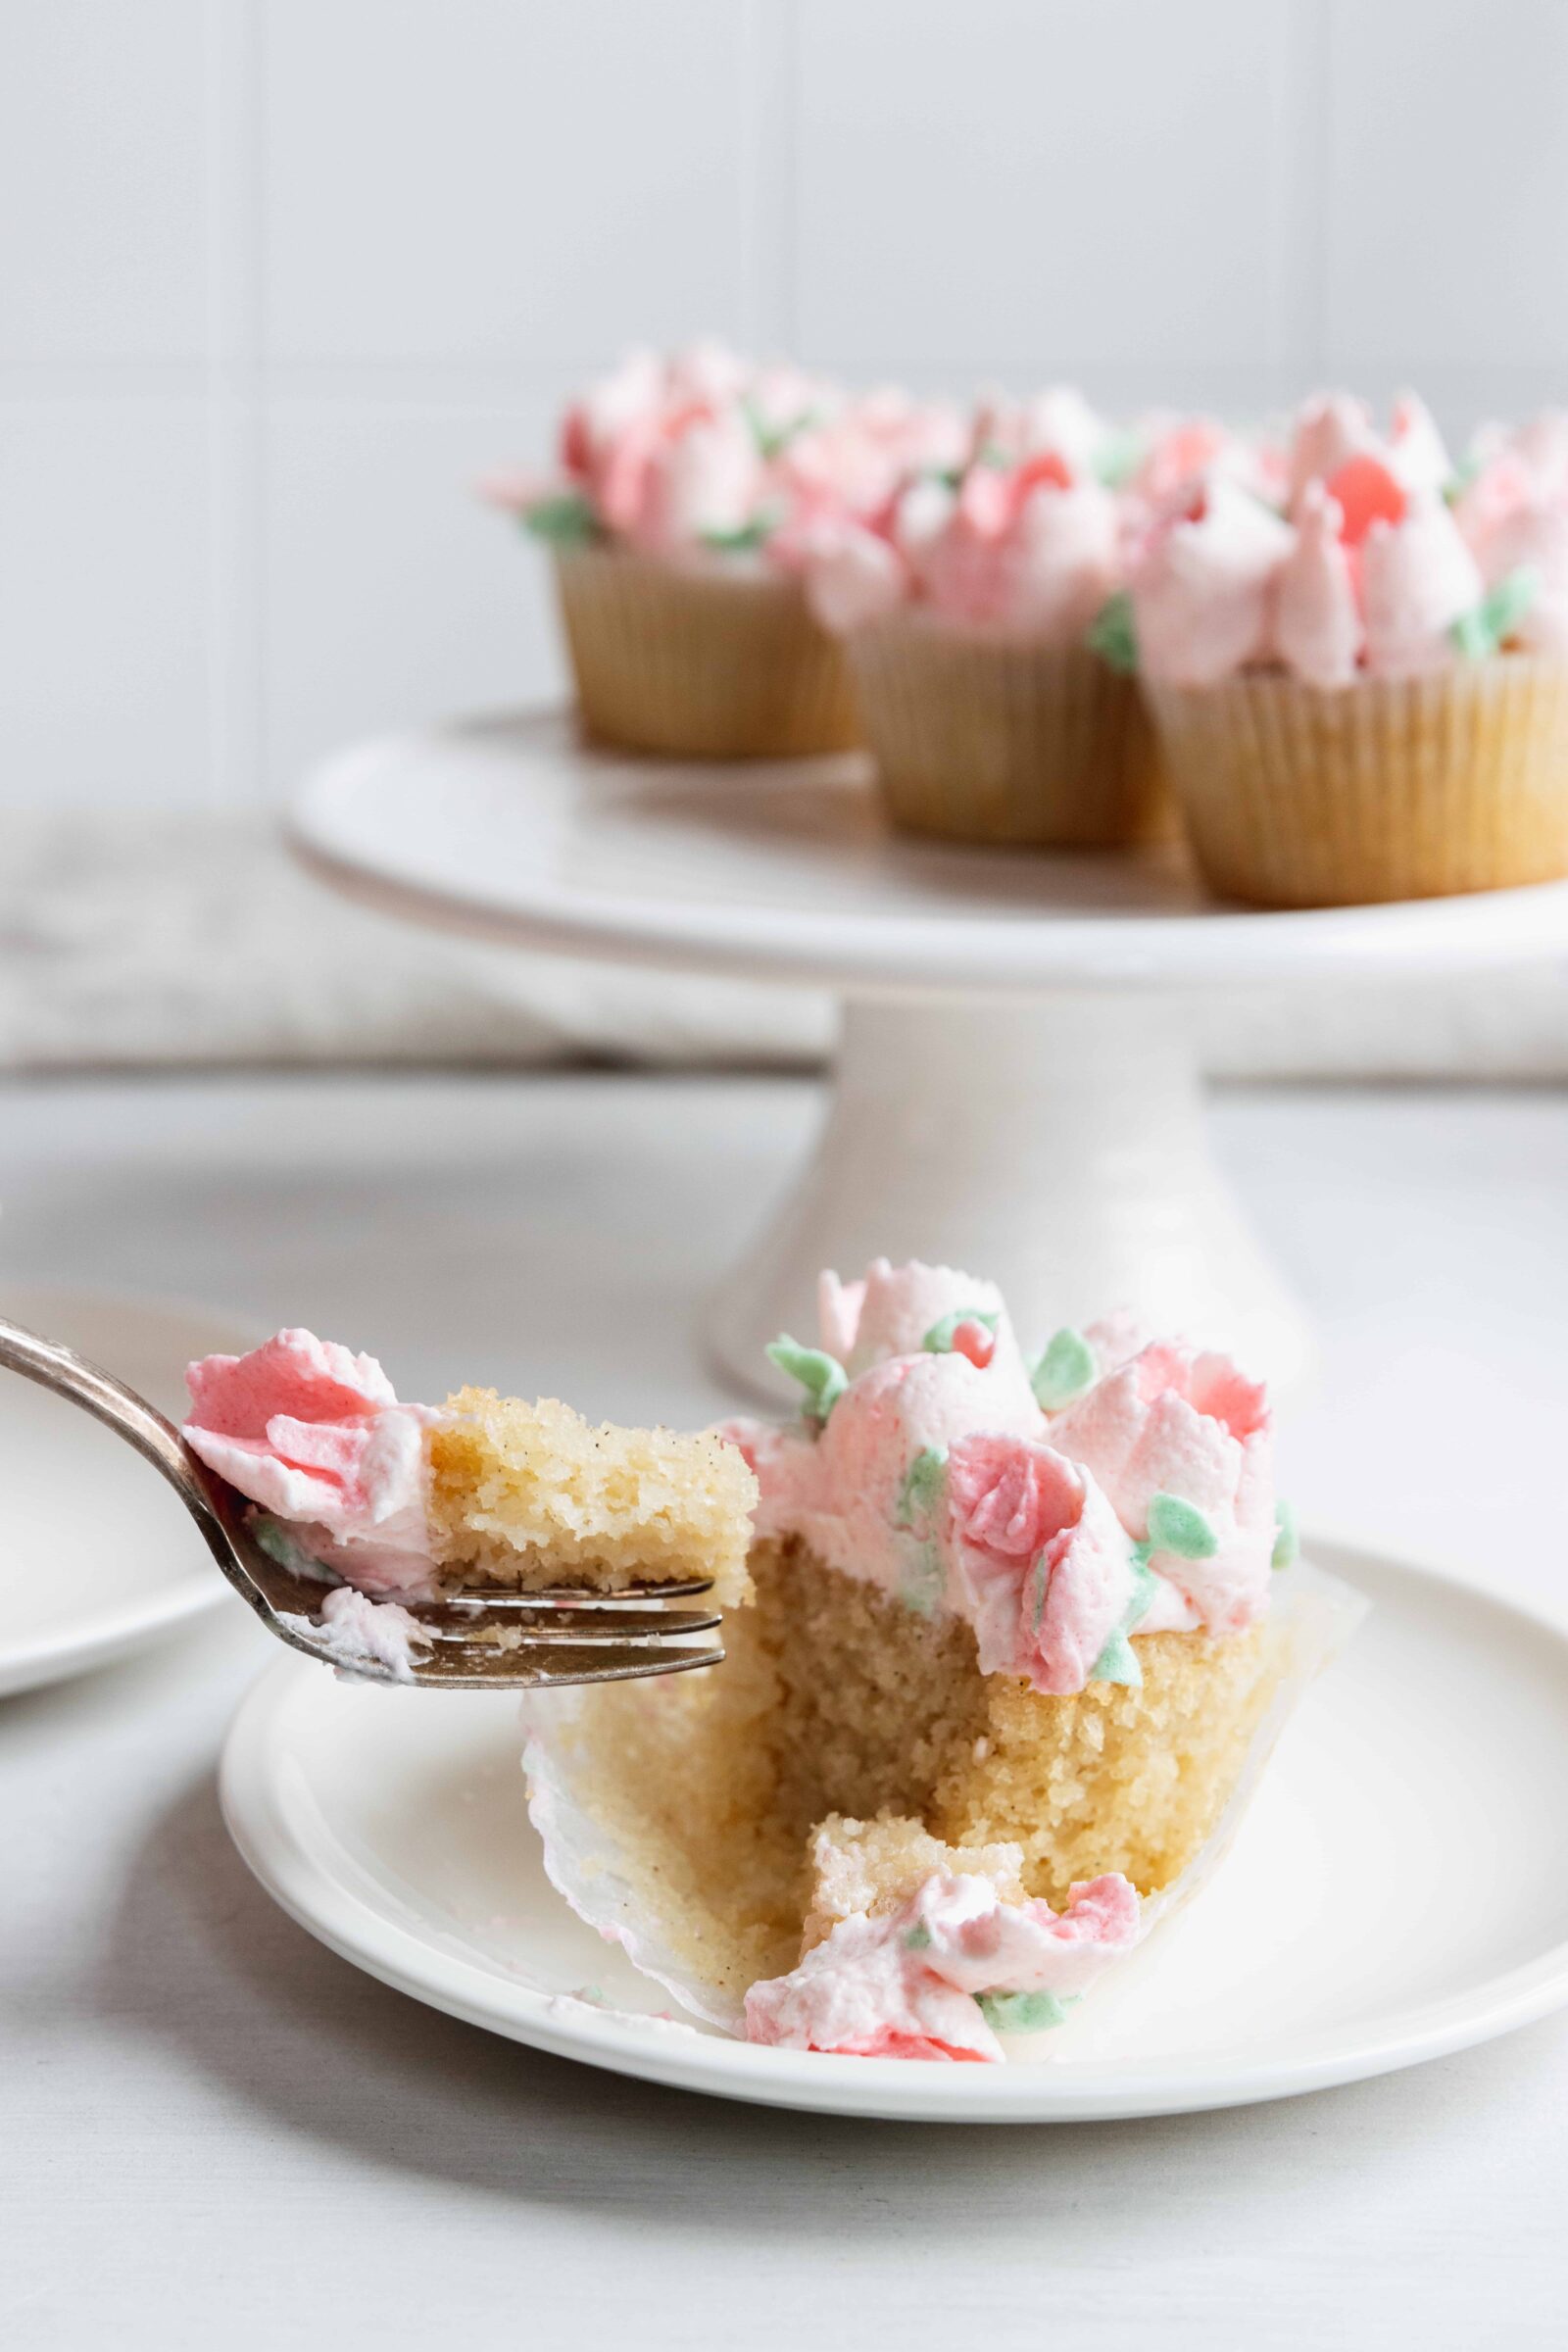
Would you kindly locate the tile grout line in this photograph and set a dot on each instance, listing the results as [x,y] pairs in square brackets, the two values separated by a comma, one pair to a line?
[1301,289]
[235,427]
[769,249]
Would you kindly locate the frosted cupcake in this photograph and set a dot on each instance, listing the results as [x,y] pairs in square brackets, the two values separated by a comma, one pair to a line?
[1017,1646]
[1361,693]
[683,488]
[977,609]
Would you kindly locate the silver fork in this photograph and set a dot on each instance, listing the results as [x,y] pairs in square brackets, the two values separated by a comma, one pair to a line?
[563,1635]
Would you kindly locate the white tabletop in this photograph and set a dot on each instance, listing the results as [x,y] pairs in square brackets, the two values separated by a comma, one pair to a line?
[220,2134]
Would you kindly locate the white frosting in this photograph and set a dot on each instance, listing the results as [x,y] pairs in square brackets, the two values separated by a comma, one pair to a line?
[356,1633]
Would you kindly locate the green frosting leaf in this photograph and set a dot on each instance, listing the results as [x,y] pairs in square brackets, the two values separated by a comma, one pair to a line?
[1112,634]
[921,1488]
[1117,1662]
[1478,633]
[745,541]
[923,1579]
[282,1545]
[1064,1371]
[1181,1528]
[938,1340]
[773,439]
[821,1376]
[1145,1582]
[918,1938]
[1118,458]
[1463,475]
[1025,2012]
[1287,1543]
[566,521]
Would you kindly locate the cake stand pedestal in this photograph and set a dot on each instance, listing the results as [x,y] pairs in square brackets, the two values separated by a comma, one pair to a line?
[1016,1090]
[1058,1145]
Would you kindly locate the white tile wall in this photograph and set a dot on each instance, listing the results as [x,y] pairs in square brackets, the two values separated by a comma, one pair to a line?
[279,278]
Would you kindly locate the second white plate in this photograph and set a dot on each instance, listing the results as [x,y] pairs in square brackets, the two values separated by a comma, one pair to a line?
[1399,1889]
[98,1556]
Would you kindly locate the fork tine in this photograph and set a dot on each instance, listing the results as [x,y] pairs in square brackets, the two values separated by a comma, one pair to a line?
[568,1626]
[462,1665]
[557,1596]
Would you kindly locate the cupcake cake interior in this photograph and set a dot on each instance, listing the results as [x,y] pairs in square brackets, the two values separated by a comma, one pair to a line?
[834,1700]
[532,1496]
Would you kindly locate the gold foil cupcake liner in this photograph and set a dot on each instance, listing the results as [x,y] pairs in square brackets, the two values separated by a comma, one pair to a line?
[994,739]
[1389,788]
[699,665]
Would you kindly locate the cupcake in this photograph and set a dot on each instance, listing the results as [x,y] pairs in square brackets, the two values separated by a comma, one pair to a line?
[371,1503]
[1016,1646]
[680,484]
[1360,686]
[978,610]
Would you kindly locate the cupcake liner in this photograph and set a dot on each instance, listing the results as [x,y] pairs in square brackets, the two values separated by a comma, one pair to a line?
[1389,788]
[590,1863]
[996,739]
[703,664]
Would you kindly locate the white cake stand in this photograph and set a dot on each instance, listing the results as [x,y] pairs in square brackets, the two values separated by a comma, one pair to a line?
[1017,1090]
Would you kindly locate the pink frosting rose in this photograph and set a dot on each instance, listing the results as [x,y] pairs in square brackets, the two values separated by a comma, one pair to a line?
[853,577]
[1188,1425]
[1514,516]
[1025,542]
[670,482]
[318,1438]
[926,1463]
[1203,587]
[904,1984]
[1417,578]
[890,1310]
[1183,455]
[1027,548]
[1048,1563]
[1317,618]
[1057,423]
[1332,429]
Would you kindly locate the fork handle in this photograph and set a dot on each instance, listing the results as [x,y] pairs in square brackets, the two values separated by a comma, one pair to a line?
[55,1366]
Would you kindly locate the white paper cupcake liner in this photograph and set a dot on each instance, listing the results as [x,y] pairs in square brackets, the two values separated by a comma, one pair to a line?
[595,1871]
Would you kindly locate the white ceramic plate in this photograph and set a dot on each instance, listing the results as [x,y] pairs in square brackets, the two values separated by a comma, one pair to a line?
[1399,1889]
[125,1566]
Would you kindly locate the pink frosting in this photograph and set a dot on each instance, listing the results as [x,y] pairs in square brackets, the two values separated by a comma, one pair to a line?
[1333,428]
[1186,1424]
[1203,587]
[849,467]
[938,1477]
[705,456]
[1024,540]
[1371,577]
[904,1985]
[1514,515]
[1183,456]
[853,575]
[1317,614]
[1417,578]
[316,1437]
[1045,1558]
